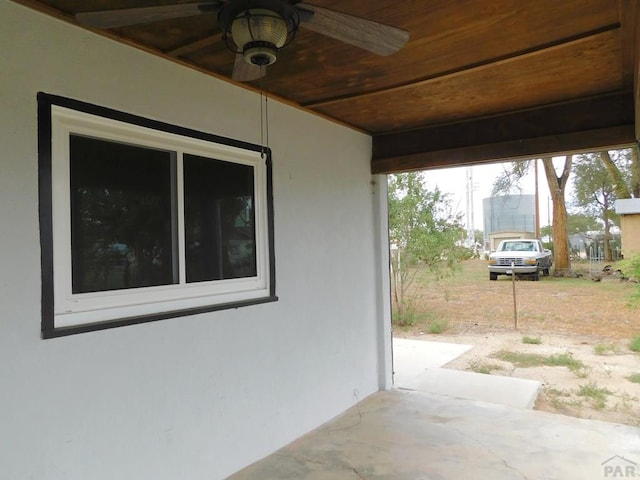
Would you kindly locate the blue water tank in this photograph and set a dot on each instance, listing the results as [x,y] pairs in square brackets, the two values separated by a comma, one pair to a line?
[509,213]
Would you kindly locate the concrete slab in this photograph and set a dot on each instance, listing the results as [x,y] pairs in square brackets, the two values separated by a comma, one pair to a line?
[407,435]
[509,391]
[411,357]
[416,367]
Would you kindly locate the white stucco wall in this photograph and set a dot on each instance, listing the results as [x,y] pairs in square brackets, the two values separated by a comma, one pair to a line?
[192,397]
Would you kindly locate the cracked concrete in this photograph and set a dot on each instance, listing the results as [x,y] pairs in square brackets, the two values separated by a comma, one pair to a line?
[407,435]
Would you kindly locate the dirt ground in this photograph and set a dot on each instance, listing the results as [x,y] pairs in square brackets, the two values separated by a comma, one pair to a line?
[584,321]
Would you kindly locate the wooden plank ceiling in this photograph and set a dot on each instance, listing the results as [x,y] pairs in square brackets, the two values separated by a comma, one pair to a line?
[478,80]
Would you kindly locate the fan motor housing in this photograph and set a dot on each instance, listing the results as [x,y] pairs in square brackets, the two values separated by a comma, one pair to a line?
[230,10]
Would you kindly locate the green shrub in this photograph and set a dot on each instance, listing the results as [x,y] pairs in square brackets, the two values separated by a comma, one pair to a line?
[407,318]
[437,326]
[604,348]
[531,340]
[528,360]
[410,313]
[596,395]
[630,268]
[635,344]
[414,313]
[634,377]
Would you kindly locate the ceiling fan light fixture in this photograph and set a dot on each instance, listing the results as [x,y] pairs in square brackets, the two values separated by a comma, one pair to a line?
[259,33]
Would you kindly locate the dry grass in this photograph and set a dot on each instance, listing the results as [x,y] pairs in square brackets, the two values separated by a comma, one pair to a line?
[575,306]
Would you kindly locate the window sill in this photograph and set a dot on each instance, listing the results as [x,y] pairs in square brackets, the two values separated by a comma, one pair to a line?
[85,328]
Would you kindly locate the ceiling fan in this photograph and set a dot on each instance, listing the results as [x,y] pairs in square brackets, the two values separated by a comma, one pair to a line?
[256,29]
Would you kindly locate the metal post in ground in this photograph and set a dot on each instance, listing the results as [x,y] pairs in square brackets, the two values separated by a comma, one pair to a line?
[515,306]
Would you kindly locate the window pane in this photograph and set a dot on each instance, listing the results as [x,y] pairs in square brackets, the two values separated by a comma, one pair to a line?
[122,228]
[219,219]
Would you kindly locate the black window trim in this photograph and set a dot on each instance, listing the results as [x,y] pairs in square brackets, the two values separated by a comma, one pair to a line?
[45,101]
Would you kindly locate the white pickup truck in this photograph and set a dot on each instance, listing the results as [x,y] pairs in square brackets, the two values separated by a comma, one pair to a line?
[520,257]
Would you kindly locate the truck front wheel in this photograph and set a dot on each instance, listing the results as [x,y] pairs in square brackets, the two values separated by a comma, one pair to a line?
[493,276]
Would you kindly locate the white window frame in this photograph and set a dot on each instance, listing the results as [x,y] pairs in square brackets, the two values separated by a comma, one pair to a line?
[125,306]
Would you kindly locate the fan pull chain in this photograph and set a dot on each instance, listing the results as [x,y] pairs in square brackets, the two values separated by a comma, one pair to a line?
[264,119]
[261,125]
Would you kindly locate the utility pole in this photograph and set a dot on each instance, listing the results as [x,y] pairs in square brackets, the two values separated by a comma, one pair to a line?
[537,200]
[471,234]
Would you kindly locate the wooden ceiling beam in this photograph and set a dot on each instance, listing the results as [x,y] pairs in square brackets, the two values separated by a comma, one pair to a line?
[629,12]
[588,141]
[591,123]
[628,15]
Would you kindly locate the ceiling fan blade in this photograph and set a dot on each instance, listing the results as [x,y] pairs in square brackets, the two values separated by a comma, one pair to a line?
[245,72]
[366,34]
[134,16]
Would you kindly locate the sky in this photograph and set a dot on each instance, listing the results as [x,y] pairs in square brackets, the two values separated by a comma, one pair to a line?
[454,181]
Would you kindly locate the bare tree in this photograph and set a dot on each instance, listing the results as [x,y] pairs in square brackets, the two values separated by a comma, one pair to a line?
[557,186]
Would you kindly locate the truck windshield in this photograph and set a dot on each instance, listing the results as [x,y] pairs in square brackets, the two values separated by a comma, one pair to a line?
[517,247]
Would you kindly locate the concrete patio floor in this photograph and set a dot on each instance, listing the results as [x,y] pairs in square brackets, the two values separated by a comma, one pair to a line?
[411,435]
